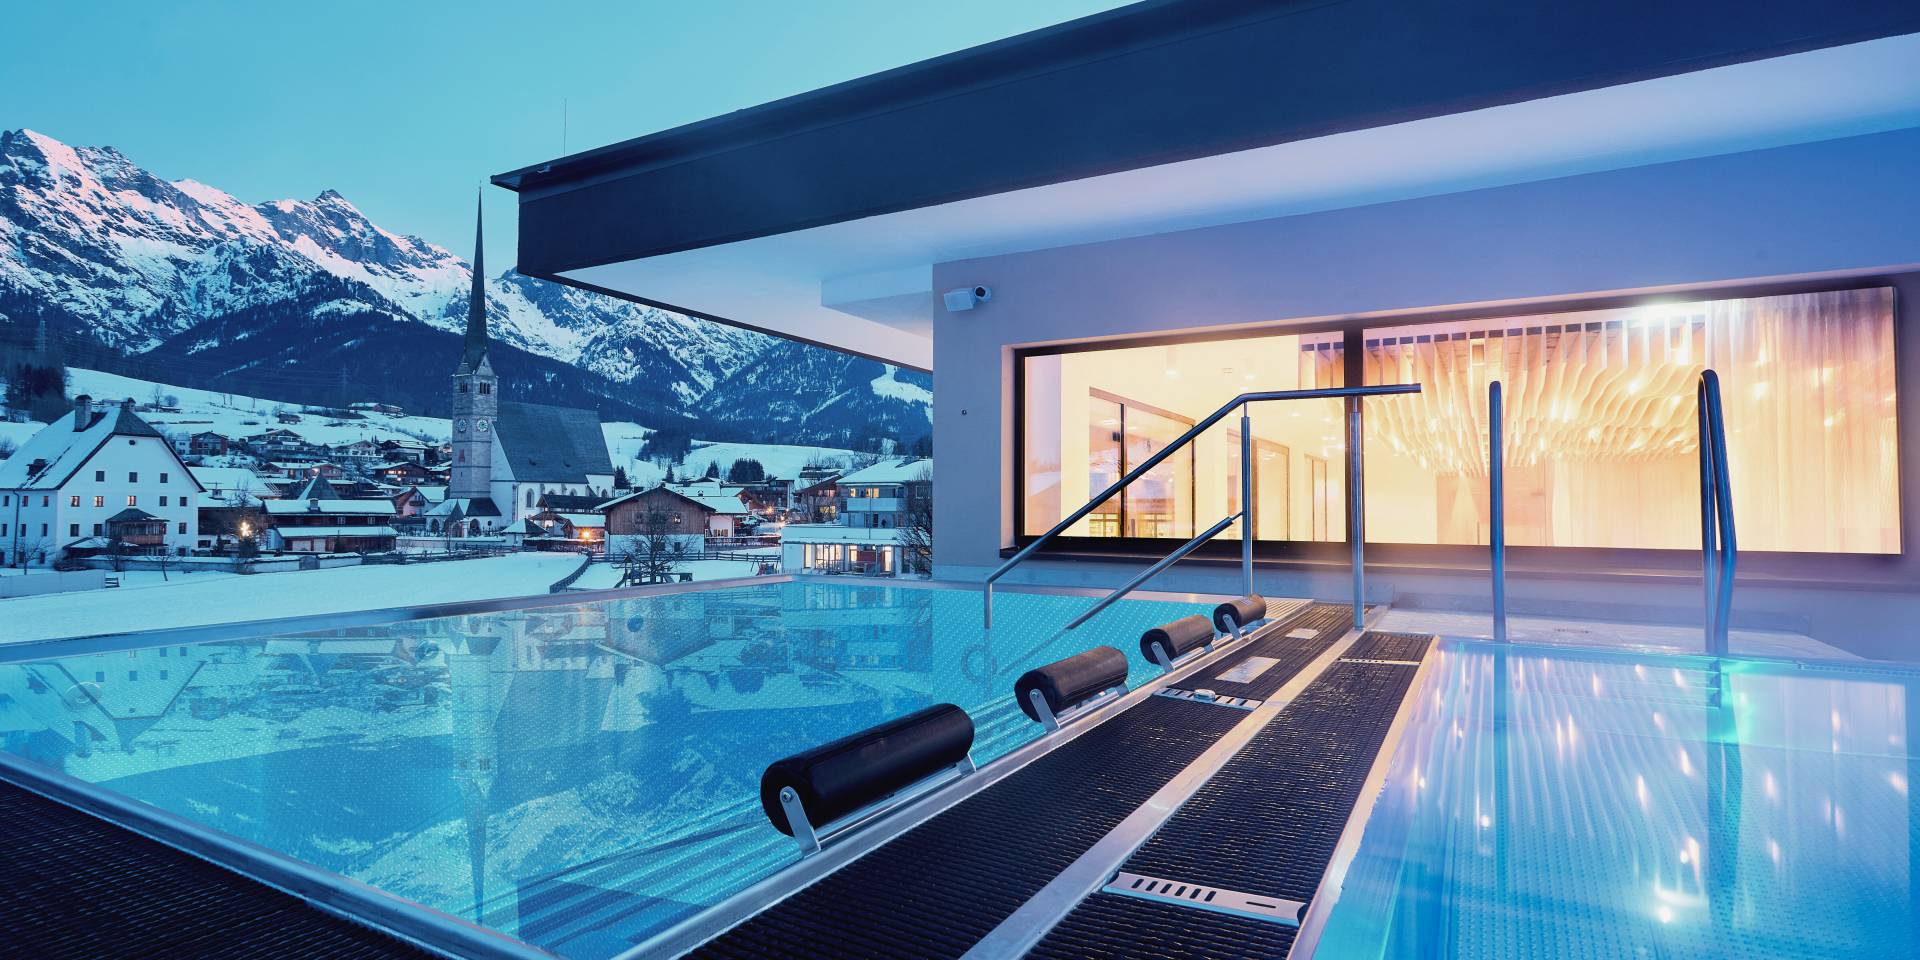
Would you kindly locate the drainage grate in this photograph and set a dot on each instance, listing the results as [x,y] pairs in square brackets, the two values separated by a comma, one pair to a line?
[1111,927]
[1208,696]
[1270,909]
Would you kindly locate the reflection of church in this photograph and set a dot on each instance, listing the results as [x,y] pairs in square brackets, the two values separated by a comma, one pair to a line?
[507,455]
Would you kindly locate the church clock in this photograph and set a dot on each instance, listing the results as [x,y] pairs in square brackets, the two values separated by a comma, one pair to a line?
[460,426]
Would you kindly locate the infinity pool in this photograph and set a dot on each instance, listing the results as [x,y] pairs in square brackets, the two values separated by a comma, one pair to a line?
[578,776]
[1566,804]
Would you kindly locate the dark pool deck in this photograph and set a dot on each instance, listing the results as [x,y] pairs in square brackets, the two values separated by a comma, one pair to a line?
[1200,815]
[77,886]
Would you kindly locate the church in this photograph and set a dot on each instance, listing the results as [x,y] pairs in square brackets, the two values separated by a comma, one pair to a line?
[507,455]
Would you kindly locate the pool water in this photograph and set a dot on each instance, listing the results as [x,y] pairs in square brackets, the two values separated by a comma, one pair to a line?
[1565,804]
[579,776]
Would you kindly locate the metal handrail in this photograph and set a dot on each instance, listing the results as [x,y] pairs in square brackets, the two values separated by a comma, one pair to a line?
[1169,560]
[1355,531]
[1497,508]
[1719,548]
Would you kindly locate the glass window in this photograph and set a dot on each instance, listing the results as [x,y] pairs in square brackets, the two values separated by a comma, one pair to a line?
[1602,430]
[1114,408]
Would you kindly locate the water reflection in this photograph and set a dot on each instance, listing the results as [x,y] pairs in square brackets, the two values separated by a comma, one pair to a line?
[577,775]
[1559,804]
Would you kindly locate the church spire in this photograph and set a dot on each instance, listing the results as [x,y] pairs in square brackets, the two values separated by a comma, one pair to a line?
[476,342]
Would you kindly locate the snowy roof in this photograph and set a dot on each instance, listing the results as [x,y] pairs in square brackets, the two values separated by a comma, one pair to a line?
[65,450]
[904,470]
[466,507]
[224,478]
[552,444]
[716,503]
[300,533]
[295,507]
[433,494]
[837,533]
[584,519]
[132,515]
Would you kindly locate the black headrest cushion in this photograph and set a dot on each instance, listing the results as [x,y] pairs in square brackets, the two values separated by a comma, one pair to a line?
[835,779]
[1178,637]
[1243,610]
[1067,683]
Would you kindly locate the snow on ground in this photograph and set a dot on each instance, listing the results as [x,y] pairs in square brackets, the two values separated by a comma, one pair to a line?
[17,434]
[886,386]
[205,599]
[234,415]
[624,439]
[780,459]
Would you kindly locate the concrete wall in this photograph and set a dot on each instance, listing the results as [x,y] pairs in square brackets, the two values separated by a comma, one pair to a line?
[51,581]
[1840,208]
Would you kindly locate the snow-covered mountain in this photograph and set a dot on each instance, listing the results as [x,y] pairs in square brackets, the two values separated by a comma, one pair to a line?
[310,300]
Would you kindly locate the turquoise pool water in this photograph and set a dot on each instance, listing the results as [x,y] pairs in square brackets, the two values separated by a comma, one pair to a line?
[1561,804]
[579,776]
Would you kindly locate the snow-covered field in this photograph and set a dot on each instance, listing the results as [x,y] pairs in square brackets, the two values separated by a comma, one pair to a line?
[206,599]
[16,434]
[235,415]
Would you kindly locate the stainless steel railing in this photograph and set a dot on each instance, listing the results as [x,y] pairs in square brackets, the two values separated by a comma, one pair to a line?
[1719,548]
[1497,508]
[1356,524]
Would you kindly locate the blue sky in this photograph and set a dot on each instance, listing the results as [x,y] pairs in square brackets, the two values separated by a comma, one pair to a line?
[405,107]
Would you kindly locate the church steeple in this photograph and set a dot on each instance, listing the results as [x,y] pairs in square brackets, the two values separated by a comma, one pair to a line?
[475,404]
[476,341]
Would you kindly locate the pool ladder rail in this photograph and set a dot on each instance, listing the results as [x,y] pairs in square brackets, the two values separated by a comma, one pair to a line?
[1356,509]
[1719,547]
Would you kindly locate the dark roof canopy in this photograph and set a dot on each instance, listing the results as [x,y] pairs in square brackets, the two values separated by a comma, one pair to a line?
[552,444]
[1146,84]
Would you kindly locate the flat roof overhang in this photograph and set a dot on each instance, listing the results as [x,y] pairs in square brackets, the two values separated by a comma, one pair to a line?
[819,217]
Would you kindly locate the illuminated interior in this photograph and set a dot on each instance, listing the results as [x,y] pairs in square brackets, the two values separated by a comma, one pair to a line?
[1112,409]
[1601,428]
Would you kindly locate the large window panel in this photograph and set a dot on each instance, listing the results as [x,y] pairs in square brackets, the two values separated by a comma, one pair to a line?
[1129,403]
[1602,433]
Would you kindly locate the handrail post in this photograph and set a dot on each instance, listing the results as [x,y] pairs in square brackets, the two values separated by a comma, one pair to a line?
[1719,547]
[1497,509]
[1709,543]
[1246,502]
[1357,513]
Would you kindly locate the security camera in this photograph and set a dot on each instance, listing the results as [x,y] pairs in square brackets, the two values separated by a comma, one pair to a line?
[964,298]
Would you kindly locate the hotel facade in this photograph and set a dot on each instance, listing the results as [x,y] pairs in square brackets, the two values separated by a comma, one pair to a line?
[1097,234]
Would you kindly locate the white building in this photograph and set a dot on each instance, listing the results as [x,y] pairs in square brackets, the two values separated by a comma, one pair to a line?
[886,494]
[63,485]
[838,548]
[1593,205]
